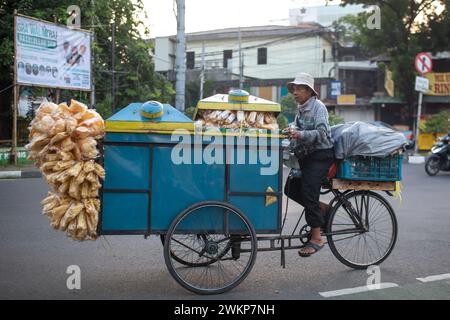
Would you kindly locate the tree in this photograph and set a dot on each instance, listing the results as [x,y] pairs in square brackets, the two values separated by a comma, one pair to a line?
[334,119]
[438,123]
[288,106]
[135,77]
[282,121]
[405,25]
[193,91]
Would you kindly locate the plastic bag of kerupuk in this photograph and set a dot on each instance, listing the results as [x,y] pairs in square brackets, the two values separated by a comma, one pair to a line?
[364,139]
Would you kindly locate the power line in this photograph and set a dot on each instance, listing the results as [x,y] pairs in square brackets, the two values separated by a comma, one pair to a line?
[285,39]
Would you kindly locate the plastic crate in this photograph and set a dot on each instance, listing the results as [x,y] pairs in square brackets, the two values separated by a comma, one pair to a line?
[371,168]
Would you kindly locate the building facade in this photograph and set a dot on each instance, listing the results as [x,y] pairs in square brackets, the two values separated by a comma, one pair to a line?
[271,56]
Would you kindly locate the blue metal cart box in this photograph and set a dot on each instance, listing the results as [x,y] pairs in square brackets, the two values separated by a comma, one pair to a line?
[145,189]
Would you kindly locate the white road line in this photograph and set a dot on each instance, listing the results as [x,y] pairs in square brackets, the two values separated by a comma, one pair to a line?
[435,278]
[384,285]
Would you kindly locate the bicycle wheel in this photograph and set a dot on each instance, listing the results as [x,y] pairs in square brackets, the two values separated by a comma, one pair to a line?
[217,245]
[366,239]
[201,240]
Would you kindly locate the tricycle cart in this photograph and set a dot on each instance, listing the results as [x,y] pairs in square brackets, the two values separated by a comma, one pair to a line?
[214,216]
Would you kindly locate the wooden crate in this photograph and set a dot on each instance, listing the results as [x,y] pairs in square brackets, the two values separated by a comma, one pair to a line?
[342,184]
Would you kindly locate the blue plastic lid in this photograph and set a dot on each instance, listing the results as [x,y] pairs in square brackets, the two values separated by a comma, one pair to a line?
[152,109]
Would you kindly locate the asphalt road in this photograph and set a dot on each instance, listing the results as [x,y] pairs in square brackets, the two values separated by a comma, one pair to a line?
[34,257]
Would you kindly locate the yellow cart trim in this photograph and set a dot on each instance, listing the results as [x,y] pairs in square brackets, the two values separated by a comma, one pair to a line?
[234,134]
[238,98]
[202,105]
[125,126]
[152,115]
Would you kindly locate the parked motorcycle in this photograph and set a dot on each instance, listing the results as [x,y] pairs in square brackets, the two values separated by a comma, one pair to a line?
[439,158]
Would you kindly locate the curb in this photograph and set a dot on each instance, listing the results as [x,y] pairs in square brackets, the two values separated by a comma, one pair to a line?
[20,174]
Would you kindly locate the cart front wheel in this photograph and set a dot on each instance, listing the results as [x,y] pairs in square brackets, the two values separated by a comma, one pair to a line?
[210,247]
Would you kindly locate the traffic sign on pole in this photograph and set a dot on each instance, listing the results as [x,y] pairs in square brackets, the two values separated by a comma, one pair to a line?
[423,63]
[421,84]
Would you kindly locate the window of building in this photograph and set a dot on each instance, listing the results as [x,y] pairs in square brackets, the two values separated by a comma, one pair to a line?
[262,55]
[227,54]
[190,59]
[324,55]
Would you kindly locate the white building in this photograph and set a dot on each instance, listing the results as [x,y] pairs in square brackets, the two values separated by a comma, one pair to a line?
[272,56]
[270,53]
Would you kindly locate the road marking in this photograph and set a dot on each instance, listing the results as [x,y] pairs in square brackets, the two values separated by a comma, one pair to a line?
[335,293]
[435,278]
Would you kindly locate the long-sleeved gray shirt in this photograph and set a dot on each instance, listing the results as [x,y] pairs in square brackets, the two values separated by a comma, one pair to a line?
[312,121]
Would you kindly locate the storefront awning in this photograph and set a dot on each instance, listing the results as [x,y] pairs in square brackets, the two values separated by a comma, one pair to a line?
[387,100]
[436,99]
[396,100]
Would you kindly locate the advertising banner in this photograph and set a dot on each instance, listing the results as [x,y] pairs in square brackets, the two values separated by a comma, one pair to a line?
[346,99]
[51,55]
[439,84]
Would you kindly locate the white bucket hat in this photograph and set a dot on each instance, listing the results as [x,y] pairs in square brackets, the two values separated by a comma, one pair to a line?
[302,79]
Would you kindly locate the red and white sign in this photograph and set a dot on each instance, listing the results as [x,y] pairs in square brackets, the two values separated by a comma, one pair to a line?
[424,64]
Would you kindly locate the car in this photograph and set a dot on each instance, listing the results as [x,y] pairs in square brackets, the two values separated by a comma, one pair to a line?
[409,135]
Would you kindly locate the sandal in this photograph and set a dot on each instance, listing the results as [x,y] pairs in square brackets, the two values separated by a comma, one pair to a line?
[313,245]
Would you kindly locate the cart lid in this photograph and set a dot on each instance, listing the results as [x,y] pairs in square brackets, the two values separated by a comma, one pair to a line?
[222,102]
[148,117]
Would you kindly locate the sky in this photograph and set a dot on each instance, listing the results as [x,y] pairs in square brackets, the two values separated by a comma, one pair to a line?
[204,15]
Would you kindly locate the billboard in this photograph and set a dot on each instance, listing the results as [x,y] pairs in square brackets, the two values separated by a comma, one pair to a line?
[439,84]
[50,55]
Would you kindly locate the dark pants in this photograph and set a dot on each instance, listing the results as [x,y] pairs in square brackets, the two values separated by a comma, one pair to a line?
[306,189]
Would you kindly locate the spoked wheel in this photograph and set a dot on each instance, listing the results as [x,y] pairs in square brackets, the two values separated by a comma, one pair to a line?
[432,166]
[365,237]
[201,241]
[210,247]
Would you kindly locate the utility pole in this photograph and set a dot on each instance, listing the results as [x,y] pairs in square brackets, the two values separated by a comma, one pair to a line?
[113,62]
[202,75]
[336,58]
[419,113]
[180,60]
[16,92]
[92,56]
[241,64]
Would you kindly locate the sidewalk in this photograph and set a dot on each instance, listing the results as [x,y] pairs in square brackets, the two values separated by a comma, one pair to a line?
[19,171]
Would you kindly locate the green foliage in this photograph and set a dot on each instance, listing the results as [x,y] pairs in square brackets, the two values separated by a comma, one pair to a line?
[288,106]
[192,91]
[189,112]
[135,77]
[282,121]
[438,123]
[334,119]
[407,27]
[104,107]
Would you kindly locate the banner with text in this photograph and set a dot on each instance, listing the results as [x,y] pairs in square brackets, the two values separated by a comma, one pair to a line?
[51,55]
[439,84]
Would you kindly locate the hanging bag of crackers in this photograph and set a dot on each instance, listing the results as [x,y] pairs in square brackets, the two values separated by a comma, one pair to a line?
[63,144]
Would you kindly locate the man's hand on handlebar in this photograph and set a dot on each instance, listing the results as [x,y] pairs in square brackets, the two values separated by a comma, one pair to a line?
[292,133]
